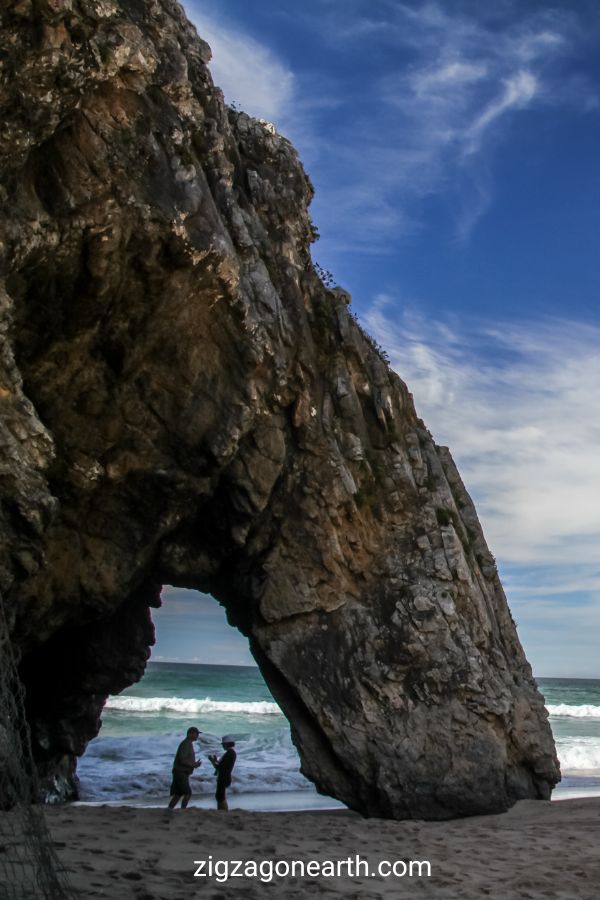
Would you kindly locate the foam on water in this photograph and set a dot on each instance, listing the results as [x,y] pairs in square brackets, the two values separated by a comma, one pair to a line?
[585,711]
[134,768]
[578,754]
[131,760]
[190,707]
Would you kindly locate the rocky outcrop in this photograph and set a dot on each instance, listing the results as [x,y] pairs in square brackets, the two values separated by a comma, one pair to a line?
[185,402]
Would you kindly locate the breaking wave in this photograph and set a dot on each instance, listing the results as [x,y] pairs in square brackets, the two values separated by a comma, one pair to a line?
[189,707]
[586,711]
[579,754]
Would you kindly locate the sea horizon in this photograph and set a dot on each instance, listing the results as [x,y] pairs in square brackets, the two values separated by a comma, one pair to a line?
[185,662]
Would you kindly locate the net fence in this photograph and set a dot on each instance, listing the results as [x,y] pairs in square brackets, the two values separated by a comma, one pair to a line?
[29,866]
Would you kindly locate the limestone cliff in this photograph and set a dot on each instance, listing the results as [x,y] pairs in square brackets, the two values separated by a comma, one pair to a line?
[184,402]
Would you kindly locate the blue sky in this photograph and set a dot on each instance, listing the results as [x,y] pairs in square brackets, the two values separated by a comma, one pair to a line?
[454,151]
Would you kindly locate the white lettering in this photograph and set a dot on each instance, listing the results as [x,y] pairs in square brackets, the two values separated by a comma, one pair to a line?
[221,868]
[419,864]
[266,870]
[199,873]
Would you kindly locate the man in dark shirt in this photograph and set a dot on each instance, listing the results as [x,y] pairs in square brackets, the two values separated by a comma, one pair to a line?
[223,769]
[183,766]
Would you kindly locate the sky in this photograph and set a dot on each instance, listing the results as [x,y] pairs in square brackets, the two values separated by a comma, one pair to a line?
[454,152]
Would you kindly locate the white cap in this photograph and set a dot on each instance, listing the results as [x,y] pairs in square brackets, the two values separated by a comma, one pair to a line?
[227,740]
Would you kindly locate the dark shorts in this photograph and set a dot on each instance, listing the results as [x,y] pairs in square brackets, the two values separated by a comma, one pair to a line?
[180,784]
[222,785]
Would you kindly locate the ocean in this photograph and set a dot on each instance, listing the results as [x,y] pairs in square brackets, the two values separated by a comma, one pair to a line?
[130,761]
[574,707]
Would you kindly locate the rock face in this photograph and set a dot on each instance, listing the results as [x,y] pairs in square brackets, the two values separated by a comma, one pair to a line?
[184,402]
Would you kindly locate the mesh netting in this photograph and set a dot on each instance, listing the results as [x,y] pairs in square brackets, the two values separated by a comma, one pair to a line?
[29,866]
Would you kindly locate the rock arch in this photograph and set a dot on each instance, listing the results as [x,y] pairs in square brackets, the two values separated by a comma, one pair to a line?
[186,402]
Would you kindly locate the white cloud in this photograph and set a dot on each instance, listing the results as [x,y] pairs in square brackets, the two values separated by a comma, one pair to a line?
[518,91]
[451,74]
[430,125]
[455,102]
[532,46]
[181,601]
[452,99]
[248,72]
[515,406]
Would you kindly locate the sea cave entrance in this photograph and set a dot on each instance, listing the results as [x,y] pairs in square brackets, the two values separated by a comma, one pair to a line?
[201,673]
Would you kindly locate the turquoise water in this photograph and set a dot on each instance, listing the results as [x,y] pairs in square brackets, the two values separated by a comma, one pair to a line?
[574,707]
[218,699]
[131,759]
[141,728]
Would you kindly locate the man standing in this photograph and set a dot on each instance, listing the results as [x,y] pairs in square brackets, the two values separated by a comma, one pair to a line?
[183,766]
[224,768]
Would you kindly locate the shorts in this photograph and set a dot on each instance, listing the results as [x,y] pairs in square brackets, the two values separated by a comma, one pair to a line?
[180,786]
[222,785]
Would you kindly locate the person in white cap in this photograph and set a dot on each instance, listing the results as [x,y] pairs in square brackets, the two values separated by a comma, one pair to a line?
[223,768]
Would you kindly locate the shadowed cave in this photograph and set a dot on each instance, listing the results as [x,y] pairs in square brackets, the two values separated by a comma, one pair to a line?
[63,720]
[187,403]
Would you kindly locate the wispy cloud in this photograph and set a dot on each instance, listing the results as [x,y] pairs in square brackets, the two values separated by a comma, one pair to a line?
[247,71]
[514,403]
[518,91]
[457,98]
[378,139]
[454,85]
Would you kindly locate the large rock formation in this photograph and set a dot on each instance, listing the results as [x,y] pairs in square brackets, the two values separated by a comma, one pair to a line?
[185,402]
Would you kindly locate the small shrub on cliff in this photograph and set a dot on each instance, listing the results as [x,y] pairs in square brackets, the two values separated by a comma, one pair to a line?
[325,276]
[443,516]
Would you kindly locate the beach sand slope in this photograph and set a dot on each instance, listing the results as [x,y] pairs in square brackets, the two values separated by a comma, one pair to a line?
[536,850]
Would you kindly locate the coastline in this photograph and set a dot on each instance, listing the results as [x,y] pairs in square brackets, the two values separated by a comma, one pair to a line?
[536,849]
[578,788]
[262,801]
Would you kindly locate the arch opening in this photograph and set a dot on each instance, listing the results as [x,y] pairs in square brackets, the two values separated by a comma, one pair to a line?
[200,672]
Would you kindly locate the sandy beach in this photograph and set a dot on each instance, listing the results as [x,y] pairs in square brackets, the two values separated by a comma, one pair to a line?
[536,850]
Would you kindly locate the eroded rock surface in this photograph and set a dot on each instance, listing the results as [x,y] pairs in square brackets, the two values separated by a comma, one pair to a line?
[184,402]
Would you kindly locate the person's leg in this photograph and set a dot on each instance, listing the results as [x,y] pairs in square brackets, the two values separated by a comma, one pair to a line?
[173,801]
[185,800]
[220,796]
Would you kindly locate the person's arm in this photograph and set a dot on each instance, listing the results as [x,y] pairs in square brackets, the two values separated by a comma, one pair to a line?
[189,758]
[193,761]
